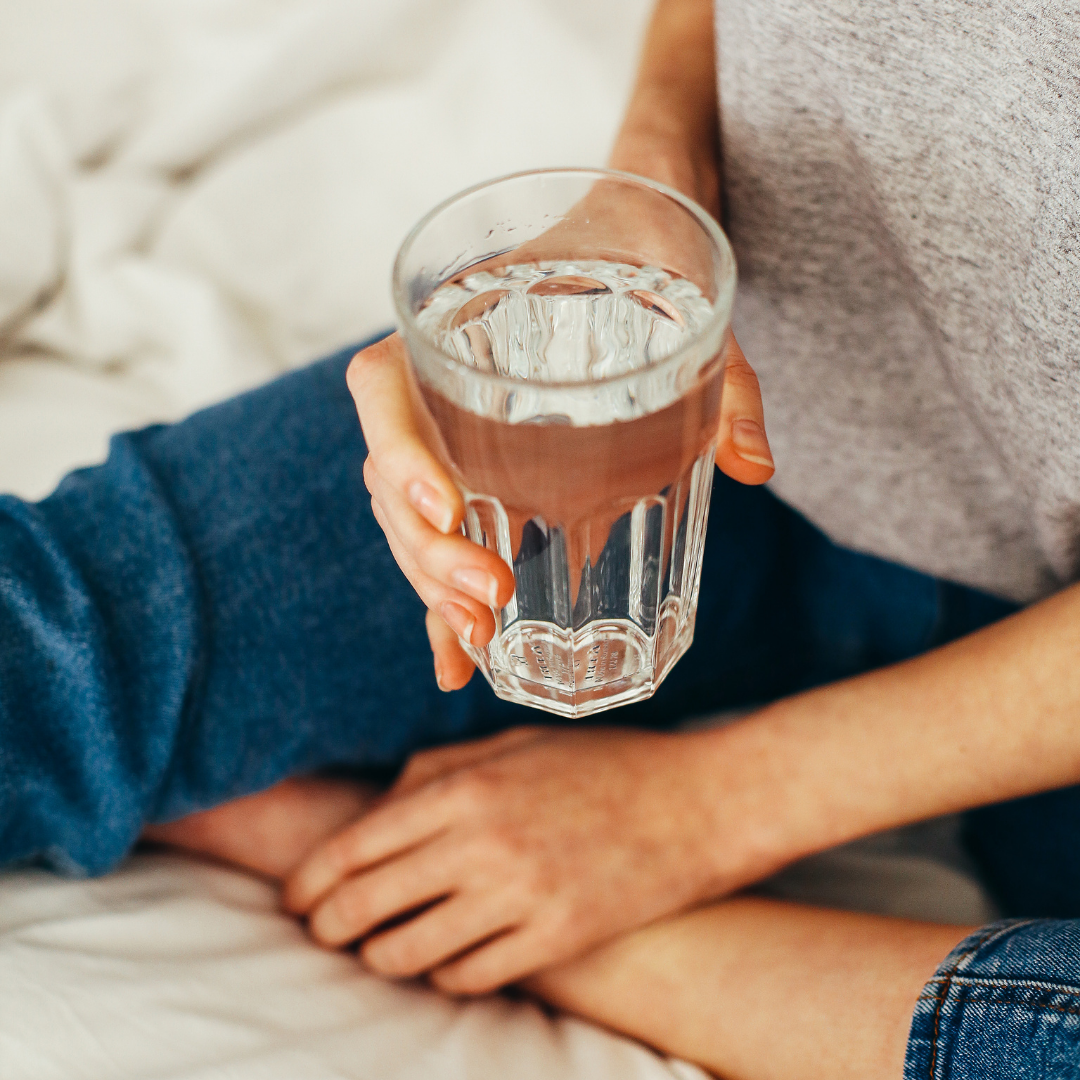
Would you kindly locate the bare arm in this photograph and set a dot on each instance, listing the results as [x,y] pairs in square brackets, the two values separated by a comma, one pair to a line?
[571,837]
[757,989]
[670,131]
[993,716]
[709,986]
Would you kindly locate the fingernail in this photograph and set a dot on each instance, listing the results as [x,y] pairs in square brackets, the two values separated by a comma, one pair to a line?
[479,584]
[431,504]
[750,442]
[458,619]
[438,677]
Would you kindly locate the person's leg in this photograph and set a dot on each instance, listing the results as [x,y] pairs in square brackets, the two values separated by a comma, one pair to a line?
[1003,1005]
[210,610]
[215,608]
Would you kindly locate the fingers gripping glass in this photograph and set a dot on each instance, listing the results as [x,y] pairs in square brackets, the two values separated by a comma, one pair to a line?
[566,330]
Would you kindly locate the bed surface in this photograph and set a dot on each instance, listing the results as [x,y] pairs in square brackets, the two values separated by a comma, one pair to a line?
[172,968]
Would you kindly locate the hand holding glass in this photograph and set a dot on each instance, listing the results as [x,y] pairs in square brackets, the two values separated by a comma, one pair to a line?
[566,330]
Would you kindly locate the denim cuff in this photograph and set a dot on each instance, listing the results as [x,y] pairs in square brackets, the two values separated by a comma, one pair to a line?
[1004,1004]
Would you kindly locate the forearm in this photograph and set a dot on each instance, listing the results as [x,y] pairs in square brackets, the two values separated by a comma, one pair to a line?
[993,716]
[753,988]
[670,130]
[675,89]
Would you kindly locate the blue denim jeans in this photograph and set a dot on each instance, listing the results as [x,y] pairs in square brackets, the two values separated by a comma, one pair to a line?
[215,608]
[1004,1004]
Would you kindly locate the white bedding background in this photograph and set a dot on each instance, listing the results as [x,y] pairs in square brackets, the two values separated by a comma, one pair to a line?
[176,970]
[194,196]
[197,194]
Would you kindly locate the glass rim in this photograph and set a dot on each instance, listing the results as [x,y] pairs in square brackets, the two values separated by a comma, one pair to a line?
[719,315]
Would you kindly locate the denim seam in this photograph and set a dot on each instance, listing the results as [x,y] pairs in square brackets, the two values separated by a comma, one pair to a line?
[1023,1004]
[987,935]
[987,981]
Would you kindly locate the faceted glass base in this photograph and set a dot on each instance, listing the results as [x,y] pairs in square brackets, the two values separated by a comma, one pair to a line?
[577,674]
[604,608]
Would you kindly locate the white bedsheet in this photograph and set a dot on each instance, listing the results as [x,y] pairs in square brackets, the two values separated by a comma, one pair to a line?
[198,194]
[177,970]
[174,969]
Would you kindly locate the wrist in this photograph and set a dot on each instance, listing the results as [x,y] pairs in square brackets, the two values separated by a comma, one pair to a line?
[770,798]
[670,130]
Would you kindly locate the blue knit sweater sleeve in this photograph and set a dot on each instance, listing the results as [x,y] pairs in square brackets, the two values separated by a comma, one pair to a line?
[211,609]
[99,650]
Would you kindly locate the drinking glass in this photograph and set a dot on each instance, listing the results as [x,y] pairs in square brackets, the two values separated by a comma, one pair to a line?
[567,332]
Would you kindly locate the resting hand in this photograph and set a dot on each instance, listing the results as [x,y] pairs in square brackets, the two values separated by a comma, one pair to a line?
[516,852]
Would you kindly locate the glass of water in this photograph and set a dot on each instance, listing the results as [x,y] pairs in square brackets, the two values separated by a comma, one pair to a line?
[567,331]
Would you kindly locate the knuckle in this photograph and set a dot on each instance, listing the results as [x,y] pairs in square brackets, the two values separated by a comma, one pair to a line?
[418,767]
[741,375]
[357,375]
[344,853]
[426,546]
[350,907]
[567,922]
[527,732]
[363,364]
[371,473]
[412,769]
[338,855]
[471,791]
[549,939]
[531,888]
[426,762]
[509,845]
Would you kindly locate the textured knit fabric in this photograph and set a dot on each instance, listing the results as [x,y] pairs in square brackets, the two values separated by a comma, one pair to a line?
[902,185]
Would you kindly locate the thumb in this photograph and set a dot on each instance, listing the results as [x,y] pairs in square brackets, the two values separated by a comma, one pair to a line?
[742,447]
[453,668]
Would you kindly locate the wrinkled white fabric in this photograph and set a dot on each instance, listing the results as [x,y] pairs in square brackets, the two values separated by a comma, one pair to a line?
[178,969]
[198,194]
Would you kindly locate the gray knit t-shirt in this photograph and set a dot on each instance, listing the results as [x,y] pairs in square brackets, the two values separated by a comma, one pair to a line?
[902,182]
